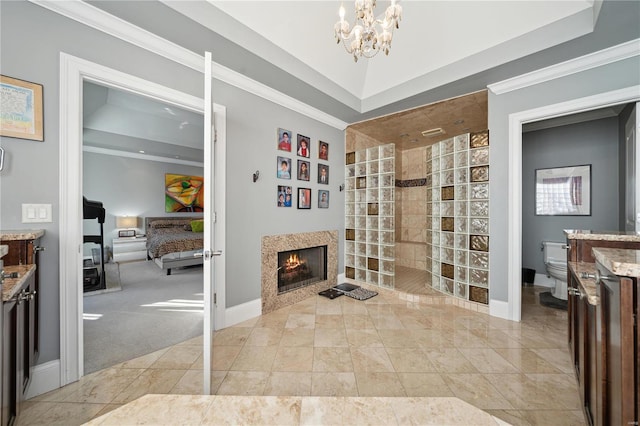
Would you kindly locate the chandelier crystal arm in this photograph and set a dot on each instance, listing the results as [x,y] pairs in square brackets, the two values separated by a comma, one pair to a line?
[368,35]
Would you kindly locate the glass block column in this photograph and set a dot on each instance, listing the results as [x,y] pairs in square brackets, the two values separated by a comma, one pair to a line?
[370,215]
[460,216]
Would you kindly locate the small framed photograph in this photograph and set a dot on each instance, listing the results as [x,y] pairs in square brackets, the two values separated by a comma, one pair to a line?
[127,233]
[303,170]
[323,199]
[284,168]
[323,174]
[304,198]
[563,191]
[323,151]
[304,148]
[284,196]
[21,106]
[284,140]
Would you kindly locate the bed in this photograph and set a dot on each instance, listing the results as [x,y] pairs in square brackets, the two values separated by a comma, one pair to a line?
[171,243]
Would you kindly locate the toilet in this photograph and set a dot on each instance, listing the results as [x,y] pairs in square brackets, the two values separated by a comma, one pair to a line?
[555,259]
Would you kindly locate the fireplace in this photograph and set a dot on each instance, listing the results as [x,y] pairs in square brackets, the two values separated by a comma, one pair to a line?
[301,267]
[322,261]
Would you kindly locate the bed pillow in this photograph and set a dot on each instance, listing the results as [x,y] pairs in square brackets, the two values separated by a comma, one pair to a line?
[197,226]
[168,223]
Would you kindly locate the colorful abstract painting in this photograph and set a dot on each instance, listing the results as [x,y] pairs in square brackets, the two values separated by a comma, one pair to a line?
[183,193]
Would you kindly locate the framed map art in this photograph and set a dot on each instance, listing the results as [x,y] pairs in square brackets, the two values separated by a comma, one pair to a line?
[21,109]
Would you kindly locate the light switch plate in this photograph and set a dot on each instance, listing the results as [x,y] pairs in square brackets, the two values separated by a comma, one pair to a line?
[36,213]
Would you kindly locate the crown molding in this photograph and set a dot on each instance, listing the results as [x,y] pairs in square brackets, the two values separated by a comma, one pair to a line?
[100,20]
[606,56]
[137,156]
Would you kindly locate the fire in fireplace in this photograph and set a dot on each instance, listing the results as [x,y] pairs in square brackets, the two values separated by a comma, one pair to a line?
[301,267]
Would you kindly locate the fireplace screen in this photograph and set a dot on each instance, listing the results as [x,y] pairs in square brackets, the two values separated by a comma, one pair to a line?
[302,267]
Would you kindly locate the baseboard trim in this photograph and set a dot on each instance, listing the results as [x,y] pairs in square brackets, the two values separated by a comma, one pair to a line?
[236,314]
[45,377]
[500,309]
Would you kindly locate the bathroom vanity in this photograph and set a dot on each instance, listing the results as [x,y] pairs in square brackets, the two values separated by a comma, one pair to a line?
[19,318]
[604,298]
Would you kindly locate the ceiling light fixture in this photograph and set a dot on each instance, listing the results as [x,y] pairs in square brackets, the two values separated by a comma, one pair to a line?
[368,35]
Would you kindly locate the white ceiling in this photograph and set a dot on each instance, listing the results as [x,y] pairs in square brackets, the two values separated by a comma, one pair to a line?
[122,123]
[438,41]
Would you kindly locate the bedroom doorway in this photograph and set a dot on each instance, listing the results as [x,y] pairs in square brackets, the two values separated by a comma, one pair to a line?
[136,309]
[74,72]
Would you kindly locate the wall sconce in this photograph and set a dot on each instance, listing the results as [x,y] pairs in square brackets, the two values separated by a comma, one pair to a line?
[127,222]
[256,175]
[341,187]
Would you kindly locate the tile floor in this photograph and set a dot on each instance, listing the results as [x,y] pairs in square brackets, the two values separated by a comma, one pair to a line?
[519,372]
[414,281]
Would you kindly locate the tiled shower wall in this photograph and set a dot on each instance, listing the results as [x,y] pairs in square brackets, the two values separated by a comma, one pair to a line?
[458,169]
[411,209]
[441,205]
[370,215]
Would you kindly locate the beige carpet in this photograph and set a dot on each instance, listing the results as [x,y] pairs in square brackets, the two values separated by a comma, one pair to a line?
[152,311]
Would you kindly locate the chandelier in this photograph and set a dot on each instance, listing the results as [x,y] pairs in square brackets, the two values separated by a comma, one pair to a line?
[368,35]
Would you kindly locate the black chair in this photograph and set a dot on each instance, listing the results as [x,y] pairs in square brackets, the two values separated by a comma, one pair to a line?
[95,210]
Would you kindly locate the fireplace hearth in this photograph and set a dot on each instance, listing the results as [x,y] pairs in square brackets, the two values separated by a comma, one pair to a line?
[301,267]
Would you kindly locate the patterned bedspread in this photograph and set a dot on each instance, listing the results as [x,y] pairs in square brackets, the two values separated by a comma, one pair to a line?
[164,240]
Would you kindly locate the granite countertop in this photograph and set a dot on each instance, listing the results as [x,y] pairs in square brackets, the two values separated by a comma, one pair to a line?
[585,234]
[3,250]
[588,286]
[622,262]
[295,410]
[12,286]
[21,234]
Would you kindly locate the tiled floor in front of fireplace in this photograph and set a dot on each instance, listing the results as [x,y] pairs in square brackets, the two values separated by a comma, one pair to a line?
[519,372]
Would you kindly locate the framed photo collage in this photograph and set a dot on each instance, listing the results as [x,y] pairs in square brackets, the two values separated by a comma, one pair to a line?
[296,162]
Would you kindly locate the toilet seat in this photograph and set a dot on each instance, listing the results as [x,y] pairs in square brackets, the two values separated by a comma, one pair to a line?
[556,264]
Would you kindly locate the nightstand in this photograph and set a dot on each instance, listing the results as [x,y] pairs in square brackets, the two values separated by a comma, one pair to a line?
[129,248]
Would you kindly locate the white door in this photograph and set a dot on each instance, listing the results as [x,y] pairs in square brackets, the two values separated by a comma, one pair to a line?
[211,252]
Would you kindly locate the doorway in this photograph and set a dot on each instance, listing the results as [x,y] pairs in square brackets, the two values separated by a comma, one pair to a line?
[516,121]
[74,71]
[131,143]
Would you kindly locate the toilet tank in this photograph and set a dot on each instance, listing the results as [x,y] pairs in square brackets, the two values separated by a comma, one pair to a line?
[554,251]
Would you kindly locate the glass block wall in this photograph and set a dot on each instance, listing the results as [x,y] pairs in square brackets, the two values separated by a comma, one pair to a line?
[370,215]
[459,176]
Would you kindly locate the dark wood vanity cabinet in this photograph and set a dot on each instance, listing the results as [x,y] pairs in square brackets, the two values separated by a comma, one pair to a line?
[618,342]
[27,252]
[582,345]
[17,349]
[603,339]
[20,329]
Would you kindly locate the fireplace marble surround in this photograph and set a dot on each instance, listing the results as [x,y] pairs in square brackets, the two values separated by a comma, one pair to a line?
[272,244]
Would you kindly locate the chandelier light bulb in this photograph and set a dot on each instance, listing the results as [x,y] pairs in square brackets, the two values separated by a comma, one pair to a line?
[368,35]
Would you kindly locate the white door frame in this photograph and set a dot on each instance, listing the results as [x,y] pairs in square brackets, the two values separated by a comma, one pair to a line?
[516,120]
[73,72]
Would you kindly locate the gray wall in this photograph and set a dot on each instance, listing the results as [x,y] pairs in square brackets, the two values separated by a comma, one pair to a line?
[603,79]
[32,176]
[593,142]
[126,187]
[624,116]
